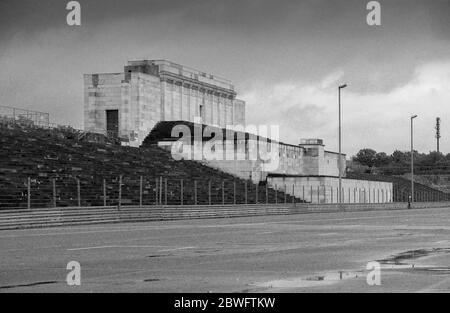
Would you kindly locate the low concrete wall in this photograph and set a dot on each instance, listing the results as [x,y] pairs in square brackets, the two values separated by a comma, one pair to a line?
[324,189]
[361,207]
[37,218]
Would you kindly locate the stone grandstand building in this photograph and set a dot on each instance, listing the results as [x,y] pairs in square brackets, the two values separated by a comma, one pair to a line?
[143,103]
[130,103]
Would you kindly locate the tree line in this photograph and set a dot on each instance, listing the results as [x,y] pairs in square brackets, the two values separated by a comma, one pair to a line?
[399,162]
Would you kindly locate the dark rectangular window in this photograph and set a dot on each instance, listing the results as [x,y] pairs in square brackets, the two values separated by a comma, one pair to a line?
[112,123]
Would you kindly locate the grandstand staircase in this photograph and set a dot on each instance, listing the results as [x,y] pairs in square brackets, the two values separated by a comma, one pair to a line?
[59,161]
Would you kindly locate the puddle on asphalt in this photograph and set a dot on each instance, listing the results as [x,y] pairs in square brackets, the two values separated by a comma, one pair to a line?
[402,258]
[206,250]
[158,255]
[406,260]
[311,281]
[434,270]
[400,261]
[39,283]
[150,280]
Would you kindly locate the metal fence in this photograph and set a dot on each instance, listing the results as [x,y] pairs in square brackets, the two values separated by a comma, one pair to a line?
[26,116]
[44,192]
[77,178]
[143,191]
[30,118]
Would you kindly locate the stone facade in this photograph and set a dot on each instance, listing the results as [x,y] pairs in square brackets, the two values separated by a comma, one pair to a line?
[292,160]
[150,91]
[305,171]
[244,154]
[324,189]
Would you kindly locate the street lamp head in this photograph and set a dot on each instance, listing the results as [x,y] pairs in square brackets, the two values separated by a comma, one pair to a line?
[413,116]
[342,86]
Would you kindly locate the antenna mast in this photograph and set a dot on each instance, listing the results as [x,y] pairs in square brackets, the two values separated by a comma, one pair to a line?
[438,132]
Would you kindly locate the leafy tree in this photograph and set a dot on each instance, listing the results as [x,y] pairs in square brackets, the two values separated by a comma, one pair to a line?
[431,158]
[366,157]
[382,159]
[399,157]
[399,162]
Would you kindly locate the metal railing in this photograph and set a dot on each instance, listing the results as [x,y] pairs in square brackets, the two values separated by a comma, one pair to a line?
[43,191]
[49,180]
[25,115]
[29,118]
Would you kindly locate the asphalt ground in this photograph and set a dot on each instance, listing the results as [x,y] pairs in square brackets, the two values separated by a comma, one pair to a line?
[320,252]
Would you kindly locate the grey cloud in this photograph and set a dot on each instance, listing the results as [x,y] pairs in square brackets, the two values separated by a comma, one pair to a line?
[254,42]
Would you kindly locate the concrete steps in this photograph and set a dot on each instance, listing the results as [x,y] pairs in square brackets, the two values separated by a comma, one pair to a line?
[90,215]
[39,218]
[47,156]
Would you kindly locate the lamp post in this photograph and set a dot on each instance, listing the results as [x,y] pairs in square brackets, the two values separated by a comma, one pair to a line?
[412,159]
[340,142]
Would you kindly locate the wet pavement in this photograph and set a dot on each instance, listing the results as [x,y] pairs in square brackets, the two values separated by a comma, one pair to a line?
[325,252]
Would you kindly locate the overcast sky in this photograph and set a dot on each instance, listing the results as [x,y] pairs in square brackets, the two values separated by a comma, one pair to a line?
[286,59]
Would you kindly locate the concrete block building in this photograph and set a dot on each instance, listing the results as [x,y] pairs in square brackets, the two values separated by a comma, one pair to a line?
[305,170]
[144,103]
[130,103]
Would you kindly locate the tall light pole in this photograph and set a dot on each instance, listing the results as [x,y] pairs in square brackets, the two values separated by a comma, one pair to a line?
[340,143]
[412,159]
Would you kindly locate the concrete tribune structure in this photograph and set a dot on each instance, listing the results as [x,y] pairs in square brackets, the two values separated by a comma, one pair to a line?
[306,170]
[325,189]
[150,98]
[129,104]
